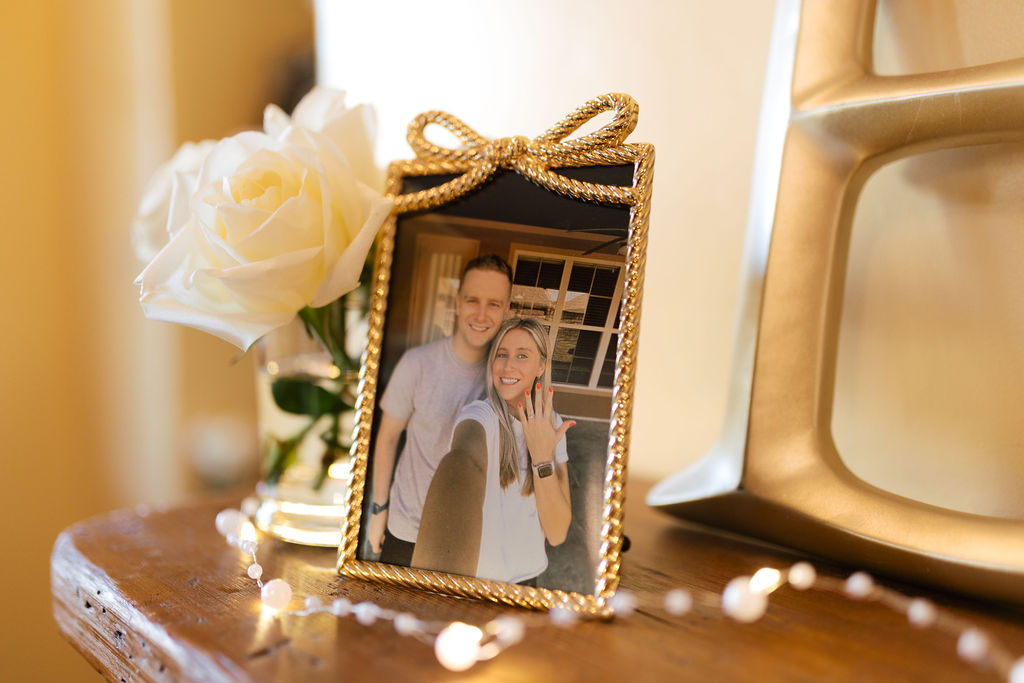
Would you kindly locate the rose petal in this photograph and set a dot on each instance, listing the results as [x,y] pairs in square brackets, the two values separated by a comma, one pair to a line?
[353,133]
[162,210]
[282,283]
[239,328]
[227,156]
[274,120]
[344,275]
[295,225]
[240,222]
[318,106]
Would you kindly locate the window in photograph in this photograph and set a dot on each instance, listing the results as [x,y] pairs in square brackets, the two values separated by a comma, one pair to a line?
[537,287]
[579,299]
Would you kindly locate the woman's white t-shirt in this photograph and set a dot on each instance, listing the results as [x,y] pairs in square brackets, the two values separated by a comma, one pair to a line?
[512,541]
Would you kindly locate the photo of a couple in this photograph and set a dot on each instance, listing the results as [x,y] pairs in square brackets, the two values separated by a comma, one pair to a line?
[491,426]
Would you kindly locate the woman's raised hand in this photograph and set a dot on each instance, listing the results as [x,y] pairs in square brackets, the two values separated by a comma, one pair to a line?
[536,415]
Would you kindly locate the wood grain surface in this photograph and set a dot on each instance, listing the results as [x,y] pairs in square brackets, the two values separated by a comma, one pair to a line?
[157,595]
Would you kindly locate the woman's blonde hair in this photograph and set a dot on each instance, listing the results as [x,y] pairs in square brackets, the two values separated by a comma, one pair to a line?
[508,460]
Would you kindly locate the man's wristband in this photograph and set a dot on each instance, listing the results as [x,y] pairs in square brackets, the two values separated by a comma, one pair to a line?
[377,508]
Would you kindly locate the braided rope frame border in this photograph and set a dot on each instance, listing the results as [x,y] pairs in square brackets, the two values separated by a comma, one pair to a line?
[475,173]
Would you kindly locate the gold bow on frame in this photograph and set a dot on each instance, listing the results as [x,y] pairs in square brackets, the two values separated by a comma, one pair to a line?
[479,159]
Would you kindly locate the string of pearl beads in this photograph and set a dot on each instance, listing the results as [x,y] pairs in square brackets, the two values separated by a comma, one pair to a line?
[458,646]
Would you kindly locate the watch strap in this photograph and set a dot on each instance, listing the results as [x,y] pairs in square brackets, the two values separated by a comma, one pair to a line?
[544,469]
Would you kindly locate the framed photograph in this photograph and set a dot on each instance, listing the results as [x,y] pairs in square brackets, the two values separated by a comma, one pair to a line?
[494,412]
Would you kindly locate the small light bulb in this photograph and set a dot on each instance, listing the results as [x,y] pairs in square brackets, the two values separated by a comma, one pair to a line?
[508,630]
[765,580]
[802,576]
[623,603]
[406,624]
[229,522]
[250,505]
[276,594]
[246,531]
[972,645]
[860,585]
[742,603]
[458,646]
[1017,671]
[922,613]
[678,602]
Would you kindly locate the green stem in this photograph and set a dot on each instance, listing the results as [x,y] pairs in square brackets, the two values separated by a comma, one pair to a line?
[331,448]
[319,321]
[283,452]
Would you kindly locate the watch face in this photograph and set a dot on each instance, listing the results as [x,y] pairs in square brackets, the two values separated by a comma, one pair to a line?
[545,469]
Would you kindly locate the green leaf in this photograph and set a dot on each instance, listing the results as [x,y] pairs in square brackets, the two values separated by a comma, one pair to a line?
[330,455]
[304,397]
[280,456]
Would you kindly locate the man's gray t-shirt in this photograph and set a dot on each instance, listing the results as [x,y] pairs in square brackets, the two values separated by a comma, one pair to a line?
[428,387]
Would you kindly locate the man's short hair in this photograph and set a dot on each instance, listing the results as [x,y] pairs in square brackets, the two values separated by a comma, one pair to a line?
[488,262]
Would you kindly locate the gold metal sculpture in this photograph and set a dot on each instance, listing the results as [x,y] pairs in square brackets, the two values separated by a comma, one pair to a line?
[827,123]
[474,164]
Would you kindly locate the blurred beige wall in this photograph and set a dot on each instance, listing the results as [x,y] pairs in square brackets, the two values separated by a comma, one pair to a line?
[95,400]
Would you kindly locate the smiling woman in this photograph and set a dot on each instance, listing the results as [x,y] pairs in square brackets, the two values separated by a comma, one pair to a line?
[503,489]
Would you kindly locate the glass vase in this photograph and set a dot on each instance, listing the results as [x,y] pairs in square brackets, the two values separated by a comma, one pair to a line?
[305,406]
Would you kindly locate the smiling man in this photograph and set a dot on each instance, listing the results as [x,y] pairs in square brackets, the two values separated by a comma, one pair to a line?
[428,388]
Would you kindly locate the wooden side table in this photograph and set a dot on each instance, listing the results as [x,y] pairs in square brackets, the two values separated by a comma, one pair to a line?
[157,595]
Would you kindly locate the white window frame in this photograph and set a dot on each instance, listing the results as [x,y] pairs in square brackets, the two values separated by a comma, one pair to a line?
[607,330]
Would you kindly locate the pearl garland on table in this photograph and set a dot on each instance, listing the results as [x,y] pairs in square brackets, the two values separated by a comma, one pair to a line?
[458,646]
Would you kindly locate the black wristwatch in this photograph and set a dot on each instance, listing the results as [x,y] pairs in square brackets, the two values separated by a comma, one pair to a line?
[544,469]
[377,508]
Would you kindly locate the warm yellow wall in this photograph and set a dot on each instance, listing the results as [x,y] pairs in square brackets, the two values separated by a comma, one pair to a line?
[54,472]
[93,398]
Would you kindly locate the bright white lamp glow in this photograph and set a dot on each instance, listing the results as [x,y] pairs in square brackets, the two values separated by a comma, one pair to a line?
[457,646]
[766,580]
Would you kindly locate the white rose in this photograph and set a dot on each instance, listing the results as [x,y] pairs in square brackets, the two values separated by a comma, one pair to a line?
[352,130]
[164,205]
[277,222]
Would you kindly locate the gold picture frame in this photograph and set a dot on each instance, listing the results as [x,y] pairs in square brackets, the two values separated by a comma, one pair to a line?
[474,180]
